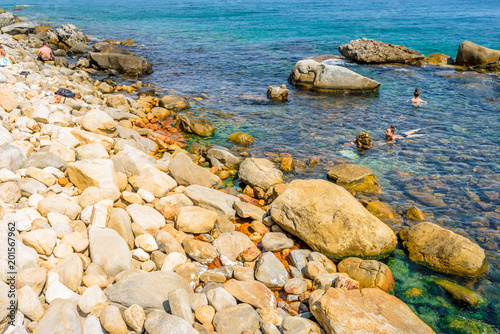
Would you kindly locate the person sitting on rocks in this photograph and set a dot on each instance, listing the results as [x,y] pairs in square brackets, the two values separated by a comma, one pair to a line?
[45,53]
[5,60]
[416,100]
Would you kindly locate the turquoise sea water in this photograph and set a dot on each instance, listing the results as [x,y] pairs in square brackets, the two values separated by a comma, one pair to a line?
[229,52]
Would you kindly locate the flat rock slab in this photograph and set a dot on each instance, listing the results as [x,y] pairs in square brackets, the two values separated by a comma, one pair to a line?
[211,199]
[146,289]
[321,77]
[355,177]
[247,210]
[146,216]
[444,250]
[364,311]
[186,173]
[370,51]
[331,221]
[276,242]
[254,293]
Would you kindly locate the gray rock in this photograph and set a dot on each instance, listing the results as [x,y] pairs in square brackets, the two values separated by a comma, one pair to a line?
[131,161]
[179,200]
[109,250]
[326,262]
[5,136]
[298,258]
[11,157]
[146,216]
[167,243]
[220,299]
[321,77]
[186,173]
[45,159]
[180,305]
[237,320]
[19,28]
[7,19]
[70,271]
[147,289]
[199,126]
[276,241]
[128,64]
[369,51]
[247,210]
[212,199]
[159,322]
[30,186]
[59,204]
[259,173]
[61,317]
[155,181]
[91,151]
[222,158]
[270,271]
[119,220]
[230,245]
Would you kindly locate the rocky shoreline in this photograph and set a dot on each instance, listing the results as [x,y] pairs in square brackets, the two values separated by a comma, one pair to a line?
[120,229]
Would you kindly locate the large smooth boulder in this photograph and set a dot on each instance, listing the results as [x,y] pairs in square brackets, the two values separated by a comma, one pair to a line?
[369,273]
[173,102]
[211,199]
[99,122]
[470,54]
[355,177]
[146,289]
[364,311]
[98,173]
[331,221]
[370,51]
[321,77]
[443,250]
[199,126]
[259,173]
[186,173]
[223,159]
[109,250]
[19,28]
[127,64]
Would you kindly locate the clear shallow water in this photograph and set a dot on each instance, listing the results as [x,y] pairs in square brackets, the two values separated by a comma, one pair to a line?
[229,52]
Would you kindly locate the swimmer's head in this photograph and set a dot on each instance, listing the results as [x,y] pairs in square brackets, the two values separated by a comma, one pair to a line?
[416,93]
[44,43]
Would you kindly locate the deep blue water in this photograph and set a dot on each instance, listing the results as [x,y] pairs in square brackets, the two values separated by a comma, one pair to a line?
[229,52]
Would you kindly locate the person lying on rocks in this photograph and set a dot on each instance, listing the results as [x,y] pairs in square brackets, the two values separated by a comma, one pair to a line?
[45,53]
[416,100]
[5,60]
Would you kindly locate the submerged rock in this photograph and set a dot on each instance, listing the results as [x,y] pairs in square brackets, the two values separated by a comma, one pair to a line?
[355,177]
[364,311]
[310,74]
[278,93]
[460,293]
[439,59]
[330,220]
[199,126]
[470,54]
[443,250]
[370,51]
[241,138]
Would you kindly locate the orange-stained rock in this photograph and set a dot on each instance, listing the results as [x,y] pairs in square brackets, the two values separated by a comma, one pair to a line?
[249,254]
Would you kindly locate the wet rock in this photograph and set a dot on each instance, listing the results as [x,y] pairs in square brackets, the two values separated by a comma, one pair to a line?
[443,250]
[460,293]
[439,59]
[241,139]
[276,242]
[159,322]
[366,310]
[369,51]
[259,173]
[363,141]
[415,213]
[470,54]
[356,177]
[331,220]
[230,244]
[287,165]
[254,293]
[186,173]
[489,67]
[310,74]
[146,289]
[173,102]
[369,273]
[199,126]
[270,271]
[127,64]
[236,320]
[11,157]
[380,210]
[109,250]
[212,199]
[278,93]
[98,173]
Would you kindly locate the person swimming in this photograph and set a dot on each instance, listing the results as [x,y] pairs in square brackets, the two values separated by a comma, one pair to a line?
[416,100]
[389,133]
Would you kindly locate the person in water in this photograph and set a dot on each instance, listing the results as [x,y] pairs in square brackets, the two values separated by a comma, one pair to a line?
[45,53]
[3,55]
[389,133]
[416,100]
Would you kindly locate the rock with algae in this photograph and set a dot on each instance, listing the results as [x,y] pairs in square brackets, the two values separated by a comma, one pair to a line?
[460,325]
